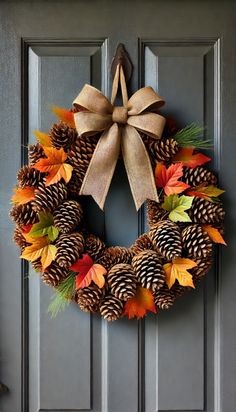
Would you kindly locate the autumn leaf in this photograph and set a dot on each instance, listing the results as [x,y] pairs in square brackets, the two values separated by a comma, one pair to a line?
[23,195]
[54,165]
[39,248]
[26,228]
[168,178]
[44,227]
[178,270]
[214,234]
[88,272]
[140,304]
[205,192]
[43,138]
[188,158]
[65,115]
[177,205]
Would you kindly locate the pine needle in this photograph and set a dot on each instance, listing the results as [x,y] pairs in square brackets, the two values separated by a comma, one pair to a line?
[189,137]
[64,293]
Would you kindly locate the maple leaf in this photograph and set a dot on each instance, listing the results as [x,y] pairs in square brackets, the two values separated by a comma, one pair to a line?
[39,248]
[168,178]
[44,227]
[26,228]
[23,195]
[43,138]
[177,205]
[177,270]
[214,234]
[188,158]
[65,115]
[88,272]
[205,192]
[138,305]
[54,165]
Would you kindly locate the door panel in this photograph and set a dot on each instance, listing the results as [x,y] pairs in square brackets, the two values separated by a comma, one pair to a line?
[180,360]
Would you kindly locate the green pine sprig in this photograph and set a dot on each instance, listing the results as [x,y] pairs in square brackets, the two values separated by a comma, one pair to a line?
[64,293]
[189,137]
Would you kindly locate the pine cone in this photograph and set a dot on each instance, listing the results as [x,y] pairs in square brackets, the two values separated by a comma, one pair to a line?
[142,243]
[196,241]
[111,308]
[166,237]
[94,247]
[164,298]
[163,149]
[35,153]
[28,176]
[54,274]
[179,290]
[81,153]
[154,212]
[19,238]
[63,136]
[89,298]
[67,216]
[203,266]
[199,175]
[37,265]
[149,270]
[24,214]
[122,281]
[48,198]
[205,212]
[69,248]
[75,183]
[114,255]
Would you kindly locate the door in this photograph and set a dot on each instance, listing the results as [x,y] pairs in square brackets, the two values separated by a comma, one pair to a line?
[182,359]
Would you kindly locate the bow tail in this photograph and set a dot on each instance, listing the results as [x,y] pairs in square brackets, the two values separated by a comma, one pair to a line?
[138,167]
[101,168]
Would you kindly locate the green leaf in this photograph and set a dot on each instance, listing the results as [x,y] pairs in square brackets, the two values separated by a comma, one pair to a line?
[190,137]
[177,205]
[64,293]
[44,227]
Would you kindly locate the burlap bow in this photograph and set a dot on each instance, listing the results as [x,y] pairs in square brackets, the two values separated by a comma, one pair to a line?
[120,127]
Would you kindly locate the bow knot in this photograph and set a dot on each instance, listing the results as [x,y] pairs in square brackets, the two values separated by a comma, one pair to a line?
[139,113]
[120,115]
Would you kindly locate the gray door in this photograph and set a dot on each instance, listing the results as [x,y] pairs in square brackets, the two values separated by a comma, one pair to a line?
[183,359]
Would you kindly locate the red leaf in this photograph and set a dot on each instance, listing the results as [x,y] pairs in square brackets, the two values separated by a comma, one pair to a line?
[88,272]
[26,228]
[189,159]
[65,115]
[140,304]
[168,178]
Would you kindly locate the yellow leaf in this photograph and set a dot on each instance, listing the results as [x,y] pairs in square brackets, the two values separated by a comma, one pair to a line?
[214,234]
[43,138]
[54,165]
[39,248]
[23,195]
[178,270]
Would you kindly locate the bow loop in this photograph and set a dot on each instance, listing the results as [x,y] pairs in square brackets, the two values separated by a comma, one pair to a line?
[100,115]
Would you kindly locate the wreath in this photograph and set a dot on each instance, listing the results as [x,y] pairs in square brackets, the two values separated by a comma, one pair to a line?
[164,168]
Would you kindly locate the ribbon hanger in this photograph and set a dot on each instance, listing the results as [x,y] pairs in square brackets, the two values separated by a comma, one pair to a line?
[120,126]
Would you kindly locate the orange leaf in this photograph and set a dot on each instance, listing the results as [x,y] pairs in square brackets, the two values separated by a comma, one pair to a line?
[23,195]
[189,159]
[54,165]
[88,272]
[214,234]
[43,138]
[205,192]
[168,178]
[39,248]
[177,270]
[140,304]
[65,115]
